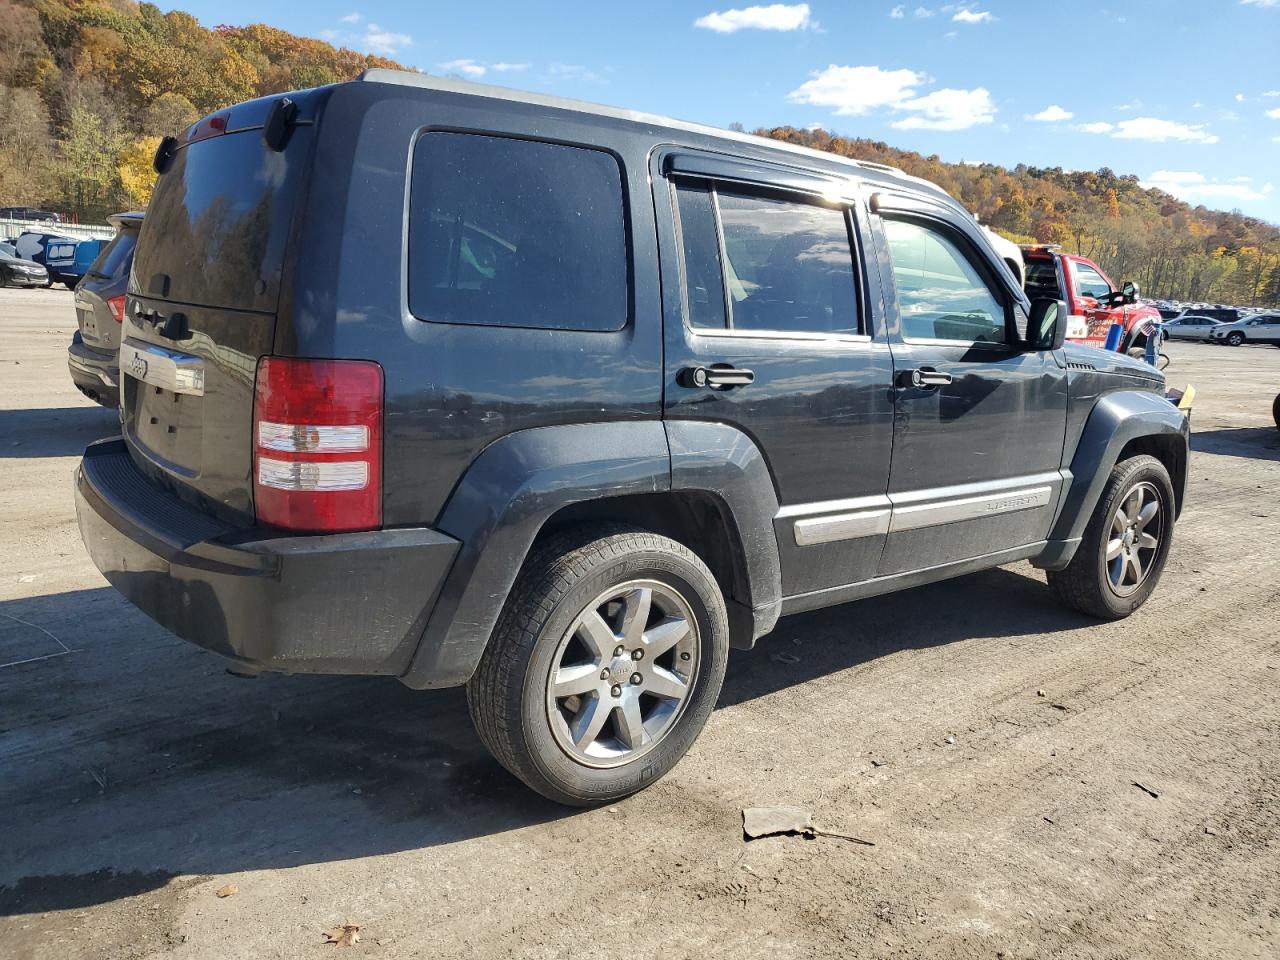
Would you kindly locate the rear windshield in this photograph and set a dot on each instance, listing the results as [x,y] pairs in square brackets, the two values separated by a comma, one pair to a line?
[1042,280]
[216,227]
[116,257]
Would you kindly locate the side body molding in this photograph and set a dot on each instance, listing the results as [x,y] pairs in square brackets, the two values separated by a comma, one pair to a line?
[496,511]
[723,462]
[1116,419]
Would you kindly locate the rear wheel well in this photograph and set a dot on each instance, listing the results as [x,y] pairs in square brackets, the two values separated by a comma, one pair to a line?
[699,521]
[1170,450]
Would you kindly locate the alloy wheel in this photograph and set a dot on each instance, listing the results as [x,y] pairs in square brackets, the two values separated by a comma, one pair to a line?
[623,673]
[1136,529]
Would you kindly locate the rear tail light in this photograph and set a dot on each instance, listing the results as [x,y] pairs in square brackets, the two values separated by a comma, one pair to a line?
[117,308]
[317,444]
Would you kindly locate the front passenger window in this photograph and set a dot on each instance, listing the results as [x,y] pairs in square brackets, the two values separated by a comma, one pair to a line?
[941,295]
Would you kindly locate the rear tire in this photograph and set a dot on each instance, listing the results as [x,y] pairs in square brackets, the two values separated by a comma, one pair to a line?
[1122,555]
[556,703]
[1275,409]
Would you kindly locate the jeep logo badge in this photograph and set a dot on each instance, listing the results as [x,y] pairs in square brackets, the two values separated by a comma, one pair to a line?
[138,366]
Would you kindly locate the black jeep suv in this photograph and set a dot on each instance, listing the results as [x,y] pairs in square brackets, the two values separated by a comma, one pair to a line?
[462,386]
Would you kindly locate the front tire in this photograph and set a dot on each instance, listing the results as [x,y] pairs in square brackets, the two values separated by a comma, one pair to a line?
[604,665]
[1275,409]
[1235,338]
[1125,546]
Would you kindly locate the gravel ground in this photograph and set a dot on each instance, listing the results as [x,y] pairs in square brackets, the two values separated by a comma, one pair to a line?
[139,778]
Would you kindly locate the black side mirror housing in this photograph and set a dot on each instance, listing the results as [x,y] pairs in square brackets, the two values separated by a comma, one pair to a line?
[1047,324]
[1130,291]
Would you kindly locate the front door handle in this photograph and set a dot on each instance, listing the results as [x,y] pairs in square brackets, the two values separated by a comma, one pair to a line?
[924,378]
[720,375]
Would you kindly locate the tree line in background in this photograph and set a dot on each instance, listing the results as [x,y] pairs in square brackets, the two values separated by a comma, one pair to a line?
[1171,249]
[88,88]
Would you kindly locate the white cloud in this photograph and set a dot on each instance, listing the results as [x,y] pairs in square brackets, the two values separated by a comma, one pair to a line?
[574,73]
[922,12]
[350,18]
[972,16]
[1131,105]
[898,12]
[1051,114]
[1189,185]
[1274,114]
[1239,98]
[1271,93]
[1099,126]
[509,67]
[856,91]
[776,16]
[1158,131]
[468,68]
[385,42]
[1261,3]
[948,110]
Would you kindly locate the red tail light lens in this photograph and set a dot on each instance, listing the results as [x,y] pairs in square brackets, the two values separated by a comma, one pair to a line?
[117,308]
[317,444]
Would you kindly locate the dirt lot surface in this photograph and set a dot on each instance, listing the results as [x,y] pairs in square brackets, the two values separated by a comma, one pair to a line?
[138,778]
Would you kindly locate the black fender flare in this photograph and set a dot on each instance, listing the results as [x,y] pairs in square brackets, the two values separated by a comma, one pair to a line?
[1117,419]
[496,511]
[722,461]
[518,482]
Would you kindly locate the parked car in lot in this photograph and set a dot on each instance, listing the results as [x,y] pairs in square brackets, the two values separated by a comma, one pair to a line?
[65,258]
[638,389]
[16,271]
[1094,301]
[1259,328]
[93,355]
[1187,327]
[29,213]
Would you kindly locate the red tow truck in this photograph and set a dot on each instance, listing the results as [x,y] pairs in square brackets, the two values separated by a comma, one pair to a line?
[1094,303]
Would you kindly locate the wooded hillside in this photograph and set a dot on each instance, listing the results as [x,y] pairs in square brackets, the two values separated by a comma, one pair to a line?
[88,87]
[1169,247]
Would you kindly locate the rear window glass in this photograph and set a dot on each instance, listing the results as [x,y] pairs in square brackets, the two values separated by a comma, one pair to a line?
[516,233]
[1042,280]
[217,224]
[116,257]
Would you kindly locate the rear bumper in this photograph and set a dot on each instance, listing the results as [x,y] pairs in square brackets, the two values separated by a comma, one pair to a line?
[94,372]
[352,603]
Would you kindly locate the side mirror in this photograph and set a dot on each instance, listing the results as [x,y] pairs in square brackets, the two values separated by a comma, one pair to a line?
[1130,291]
[1047,325]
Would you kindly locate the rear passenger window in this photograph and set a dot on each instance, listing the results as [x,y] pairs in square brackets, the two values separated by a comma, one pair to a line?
[777,265]
[516,233]
[941,295]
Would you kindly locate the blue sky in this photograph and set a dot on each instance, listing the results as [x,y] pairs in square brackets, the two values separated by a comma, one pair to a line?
[1183,93]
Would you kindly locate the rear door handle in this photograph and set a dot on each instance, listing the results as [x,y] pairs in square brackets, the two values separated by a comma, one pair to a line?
[717,375]
[924,378]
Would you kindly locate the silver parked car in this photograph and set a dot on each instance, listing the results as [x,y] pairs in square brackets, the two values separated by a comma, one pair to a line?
[1190,327]
[1259,328]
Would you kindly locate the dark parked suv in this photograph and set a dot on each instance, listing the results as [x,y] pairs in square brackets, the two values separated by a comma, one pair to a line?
[462,386]
[92,356]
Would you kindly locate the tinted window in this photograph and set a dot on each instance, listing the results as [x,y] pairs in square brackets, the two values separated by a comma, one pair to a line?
[219,219]
[941,295]
[788,265]
[516,233]
[1042,280]
[703,279]
[1090,283]
[116,257]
